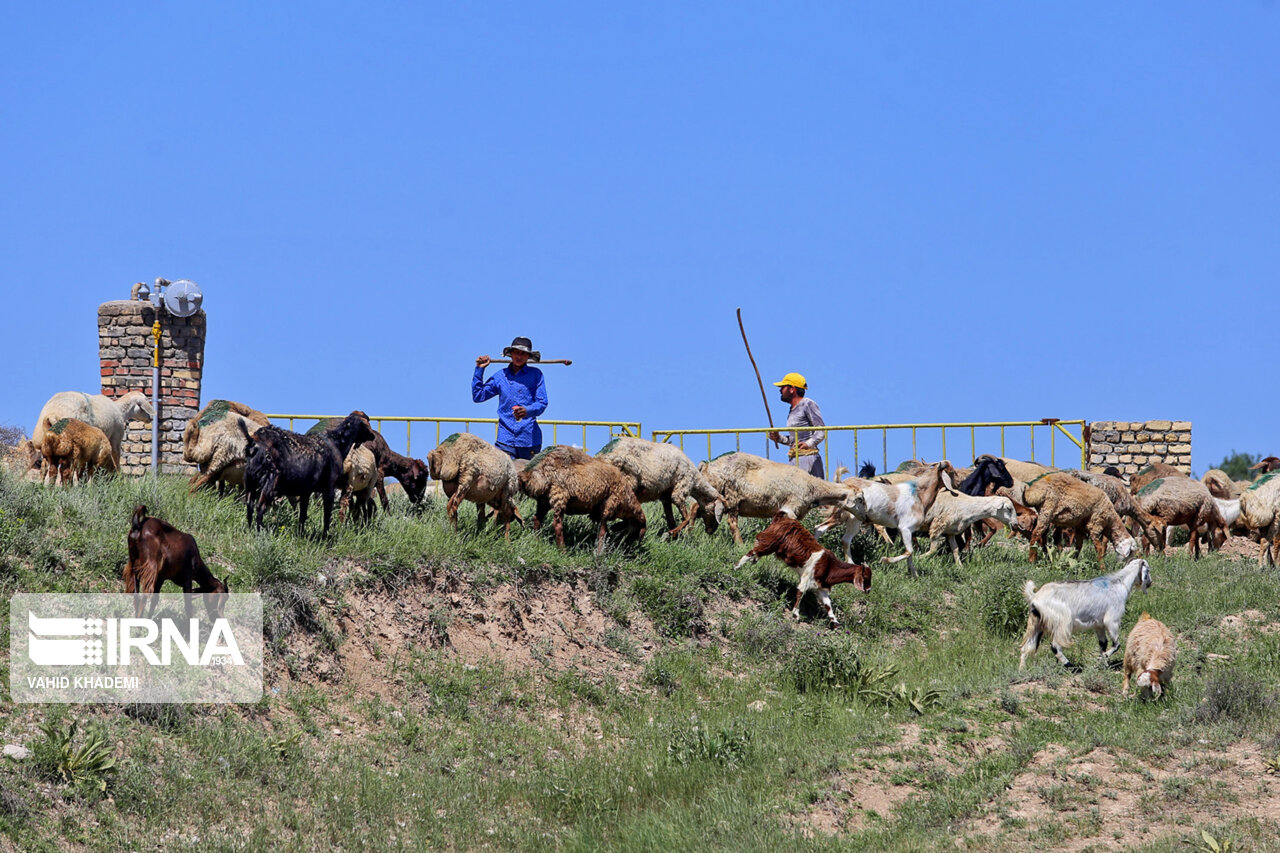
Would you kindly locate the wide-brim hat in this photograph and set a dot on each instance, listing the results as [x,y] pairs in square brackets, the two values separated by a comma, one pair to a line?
[795,380]
[524,345]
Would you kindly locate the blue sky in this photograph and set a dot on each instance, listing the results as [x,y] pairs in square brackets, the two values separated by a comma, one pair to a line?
[936,211]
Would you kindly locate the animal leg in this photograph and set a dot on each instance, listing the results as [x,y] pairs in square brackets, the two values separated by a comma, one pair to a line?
[733,527]
[303,503]
[481,517]
[382,493]
[327,497]
[795,611]
[851,528]
[906,540]
[1031,640]
[668,514]
[557,524]
[688,514]
[1062,659]
[824,595]
[955,548]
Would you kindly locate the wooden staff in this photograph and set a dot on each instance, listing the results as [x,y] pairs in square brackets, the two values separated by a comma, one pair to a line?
[564,361]
[763,396]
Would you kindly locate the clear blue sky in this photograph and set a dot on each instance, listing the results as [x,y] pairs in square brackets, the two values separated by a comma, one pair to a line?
[938,211]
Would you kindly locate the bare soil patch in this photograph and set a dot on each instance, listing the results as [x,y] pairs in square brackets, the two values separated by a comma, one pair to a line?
[1119,800]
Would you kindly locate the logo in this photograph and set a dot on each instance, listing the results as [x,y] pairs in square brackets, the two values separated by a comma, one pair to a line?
[92,648]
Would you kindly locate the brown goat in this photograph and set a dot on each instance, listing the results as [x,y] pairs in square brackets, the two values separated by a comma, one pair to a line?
[792,543]
[159,552]
[73,446]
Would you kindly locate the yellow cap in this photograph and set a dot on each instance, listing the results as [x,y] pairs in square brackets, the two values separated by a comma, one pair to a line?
[795,380]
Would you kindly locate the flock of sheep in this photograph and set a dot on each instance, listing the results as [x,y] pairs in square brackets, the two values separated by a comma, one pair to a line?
[235,444]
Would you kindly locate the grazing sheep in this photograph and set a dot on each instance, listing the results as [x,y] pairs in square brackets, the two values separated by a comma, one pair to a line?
[214,442]
[789,541]
[903,506]
[1260,510]
[1154,471]
[756,487]
[1064,608]
[663,473]
[72,445]
[1025,471]
[1220,485]
[158,552]
[24,460]
[107,414]
[284,463]
[361,476]
[567,480]
[469,468]
[1150,651]
[1064,502]
[1121,498]
[1181,500]
[953,515]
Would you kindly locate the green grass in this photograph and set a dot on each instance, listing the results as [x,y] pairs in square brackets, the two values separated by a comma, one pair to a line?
[727,726]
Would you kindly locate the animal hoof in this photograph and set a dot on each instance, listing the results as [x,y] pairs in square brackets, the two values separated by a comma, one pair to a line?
[1074,668]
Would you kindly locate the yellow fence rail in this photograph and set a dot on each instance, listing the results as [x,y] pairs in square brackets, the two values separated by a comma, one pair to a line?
[1054,426]
[616,428]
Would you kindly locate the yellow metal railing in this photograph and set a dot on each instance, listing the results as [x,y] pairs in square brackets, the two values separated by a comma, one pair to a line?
[1054,425]
[616,428]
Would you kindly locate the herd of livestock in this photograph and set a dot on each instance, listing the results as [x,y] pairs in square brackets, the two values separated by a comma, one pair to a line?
[345,462]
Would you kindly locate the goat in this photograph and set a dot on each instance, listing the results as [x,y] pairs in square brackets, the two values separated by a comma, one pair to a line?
[280,462]
[159,552]
[789,541]
[72,445]
[902,506]
[1149,651]
[1063,608]
[952,515]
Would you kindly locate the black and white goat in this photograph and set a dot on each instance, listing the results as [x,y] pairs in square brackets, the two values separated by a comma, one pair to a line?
[283,463]
[1064,608]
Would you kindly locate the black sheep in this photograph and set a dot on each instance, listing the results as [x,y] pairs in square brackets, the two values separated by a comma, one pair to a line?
[987,471]
[283,463]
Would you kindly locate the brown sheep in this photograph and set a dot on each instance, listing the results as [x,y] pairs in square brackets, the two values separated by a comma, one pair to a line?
[1149,652]
[1260,509]
[74,446]
[1220,485]
[567,480]
[1064,502]
[469,468]
[1154,471]
[1181,500]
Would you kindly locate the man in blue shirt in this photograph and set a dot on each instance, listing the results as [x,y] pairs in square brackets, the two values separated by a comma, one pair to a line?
[522,396]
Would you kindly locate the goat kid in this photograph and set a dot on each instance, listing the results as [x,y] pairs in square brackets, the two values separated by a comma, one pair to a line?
[159,552]
[1064,608]
[792,543]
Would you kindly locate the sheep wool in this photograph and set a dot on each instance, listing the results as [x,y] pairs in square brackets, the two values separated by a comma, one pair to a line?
[469,468]
[663,473]
[1149,653]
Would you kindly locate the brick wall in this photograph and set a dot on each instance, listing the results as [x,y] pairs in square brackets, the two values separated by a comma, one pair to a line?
[1129,445]
[124,349]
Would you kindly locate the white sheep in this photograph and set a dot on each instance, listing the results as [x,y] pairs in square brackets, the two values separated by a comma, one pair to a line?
[360,470]
[107,414]
[756,487]
[952,515]
[1064,608]
[663,473]
[903,506]
[1149,651]
[1260,510]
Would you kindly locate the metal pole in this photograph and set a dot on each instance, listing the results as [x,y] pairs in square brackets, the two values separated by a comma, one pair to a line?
[155,396]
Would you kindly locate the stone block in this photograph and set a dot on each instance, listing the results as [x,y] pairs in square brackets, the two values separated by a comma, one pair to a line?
[1127,437]
[1182,425]
[1123,457]
[1161,426]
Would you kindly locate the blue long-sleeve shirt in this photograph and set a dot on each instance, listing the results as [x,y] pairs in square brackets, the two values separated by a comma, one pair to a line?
[525,388]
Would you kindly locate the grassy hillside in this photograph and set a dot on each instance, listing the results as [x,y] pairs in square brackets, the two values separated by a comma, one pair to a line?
[433,689]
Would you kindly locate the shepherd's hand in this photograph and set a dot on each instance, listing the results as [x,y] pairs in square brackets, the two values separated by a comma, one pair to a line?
[519,412]
[482,361]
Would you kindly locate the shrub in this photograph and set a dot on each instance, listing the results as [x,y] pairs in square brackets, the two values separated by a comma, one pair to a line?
[1234,696]
[728,747]
[673,603]
[1004,610]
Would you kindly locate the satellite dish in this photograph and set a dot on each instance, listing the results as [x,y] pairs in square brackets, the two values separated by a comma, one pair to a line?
[182,298]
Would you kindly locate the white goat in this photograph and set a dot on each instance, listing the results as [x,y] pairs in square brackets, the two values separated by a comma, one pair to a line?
[951,515]
[1063,608]
[902,506]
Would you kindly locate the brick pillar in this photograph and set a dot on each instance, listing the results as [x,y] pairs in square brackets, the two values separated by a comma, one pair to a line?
[1131,445]
[124,350]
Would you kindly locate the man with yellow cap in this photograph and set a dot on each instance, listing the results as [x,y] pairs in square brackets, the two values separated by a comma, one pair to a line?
[804,413]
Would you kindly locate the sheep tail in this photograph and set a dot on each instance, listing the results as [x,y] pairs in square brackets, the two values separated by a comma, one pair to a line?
[139,518]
